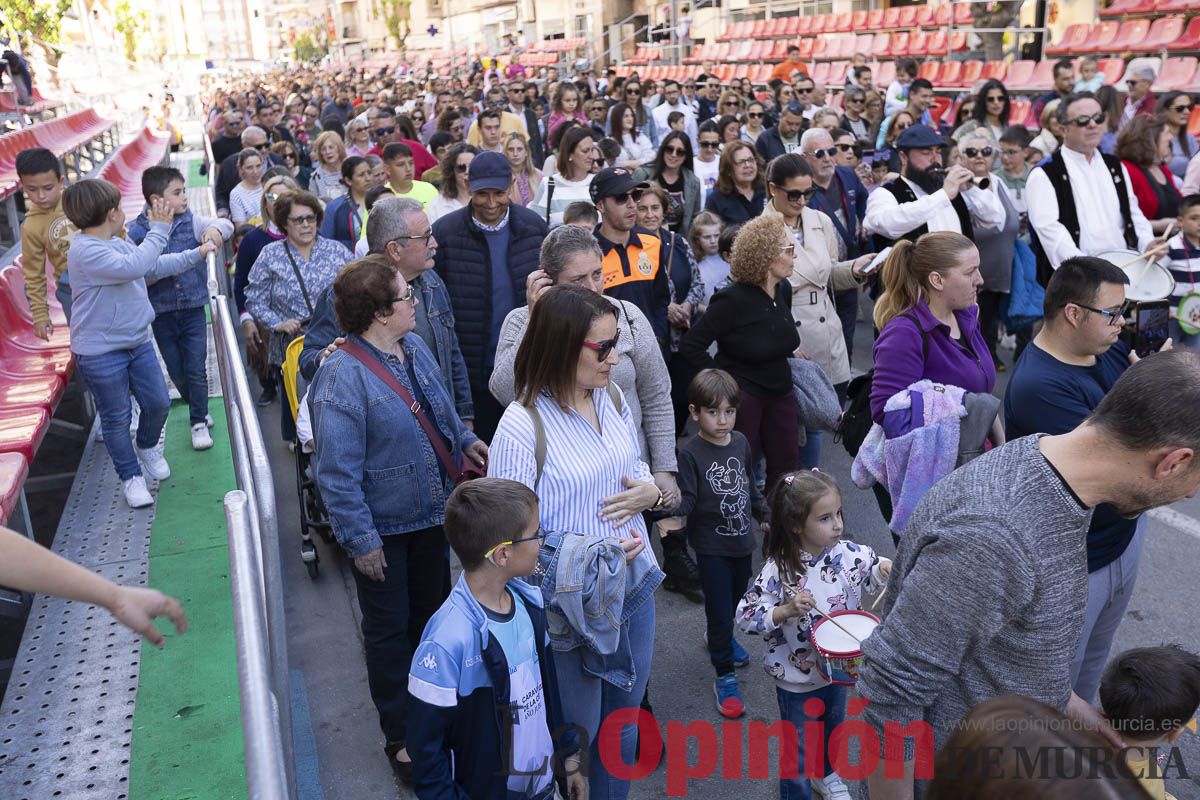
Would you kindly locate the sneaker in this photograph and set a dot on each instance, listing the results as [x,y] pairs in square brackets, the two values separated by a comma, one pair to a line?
[136,493]
[729,698]
[832,788]
[153,463]
[267,397]
[173,393]
[201,440]
[740,657]
[208,420]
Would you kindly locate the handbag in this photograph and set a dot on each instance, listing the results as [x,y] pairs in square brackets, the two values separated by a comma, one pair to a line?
[457,475]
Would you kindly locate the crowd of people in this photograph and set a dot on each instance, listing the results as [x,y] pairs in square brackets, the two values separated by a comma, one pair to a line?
[634,305]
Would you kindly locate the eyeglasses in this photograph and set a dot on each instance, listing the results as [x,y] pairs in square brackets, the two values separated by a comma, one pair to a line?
[972,152]
[421,237]
[517,89]
[307,219]
[1096,119]
[803,91]
[1111,316]
[604,348]
[675,151]
[743,162]
[634,92]
[829,153]
[1181,109]
[271,197]
[996,98]
[541,534]
[290,156]
[408,297]
[799,195]
[461,167]
[845,148]
[497,102]
[260,147]
[624,197]
[788,249]
[385,131]
[755,114]
[733,103]
[709,145]
[855,99]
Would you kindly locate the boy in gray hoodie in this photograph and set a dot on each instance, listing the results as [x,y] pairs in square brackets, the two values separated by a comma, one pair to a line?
[110,324]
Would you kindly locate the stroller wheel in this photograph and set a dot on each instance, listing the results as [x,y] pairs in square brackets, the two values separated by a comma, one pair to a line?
[312,568]
[308,554]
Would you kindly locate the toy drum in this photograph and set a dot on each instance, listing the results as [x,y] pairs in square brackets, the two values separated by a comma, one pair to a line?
[1146,281]
[839,656]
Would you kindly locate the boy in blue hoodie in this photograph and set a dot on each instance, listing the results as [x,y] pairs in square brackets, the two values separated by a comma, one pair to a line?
[179,324]
[484,691]
[110,317]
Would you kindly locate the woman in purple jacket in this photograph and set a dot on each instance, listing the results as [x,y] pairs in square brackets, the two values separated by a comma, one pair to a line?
[928,324]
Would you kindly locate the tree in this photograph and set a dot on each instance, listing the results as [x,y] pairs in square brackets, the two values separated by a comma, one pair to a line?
[37,22]
[396,16]
[994,15]
[305,49]
[131,25]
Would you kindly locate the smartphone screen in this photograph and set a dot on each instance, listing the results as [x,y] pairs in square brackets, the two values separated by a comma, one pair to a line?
[1153,319]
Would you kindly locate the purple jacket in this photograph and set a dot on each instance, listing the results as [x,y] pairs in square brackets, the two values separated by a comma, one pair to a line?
[898,362]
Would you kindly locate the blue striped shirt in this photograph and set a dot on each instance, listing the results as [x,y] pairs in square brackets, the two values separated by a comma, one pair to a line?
[582,466]
[1183,260]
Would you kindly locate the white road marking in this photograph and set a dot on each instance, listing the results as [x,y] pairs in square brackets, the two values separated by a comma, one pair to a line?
[1177,520]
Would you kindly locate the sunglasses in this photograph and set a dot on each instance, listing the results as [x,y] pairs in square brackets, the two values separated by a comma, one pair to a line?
[829,153]
[1181,109]
[499,101]
[755,115]
[802,91]
[972,152]
[1096,119]
[675,151]
[732,103]
[799,195]
[624,197]
[308,219]
[461,167]
[633,91]
[260,147]
[845,148]
[996,98]
[604,348]
[541,534]
[385,131]
[709,145]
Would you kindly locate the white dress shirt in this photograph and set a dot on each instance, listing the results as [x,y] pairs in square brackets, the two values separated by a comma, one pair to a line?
[663,110]
[1101,227]
[889,217]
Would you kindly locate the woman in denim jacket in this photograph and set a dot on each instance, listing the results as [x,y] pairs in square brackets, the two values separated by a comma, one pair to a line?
[592,482]
[381,478]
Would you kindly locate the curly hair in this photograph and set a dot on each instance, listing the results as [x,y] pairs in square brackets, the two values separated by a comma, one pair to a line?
[362,289]
[756,246]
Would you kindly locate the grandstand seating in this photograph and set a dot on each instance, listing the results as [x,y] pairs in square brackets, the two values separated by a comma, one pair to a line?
[14,469]
[125,168]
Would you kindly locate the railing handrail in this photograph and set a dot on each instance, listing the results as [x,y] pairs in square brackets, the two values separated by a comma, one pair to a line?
[259,558]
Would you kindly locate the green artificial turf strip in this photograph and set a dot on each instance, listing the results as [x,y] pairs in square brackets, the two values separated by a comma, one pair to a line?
[194,179]
[187,727]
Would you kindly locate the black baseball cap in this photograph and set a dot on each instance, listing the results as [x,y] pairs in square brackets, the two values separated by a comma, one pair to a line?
[918,136]
[612,181]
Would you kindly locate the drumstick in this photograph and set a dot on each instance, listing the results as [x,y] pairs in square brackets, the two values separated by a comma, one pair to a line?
[835,623]
[1166,235]
[880,597]
[1141,256]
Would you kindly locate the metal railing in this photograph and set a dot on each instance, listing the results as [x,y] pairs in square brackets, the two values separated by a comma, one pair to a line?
[256,575]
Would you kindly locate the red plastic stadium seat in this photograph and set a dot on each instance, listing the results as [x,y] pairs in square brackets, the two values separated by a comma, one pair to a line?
[891,18]
[1020,112]
[1111,68]
[19,332]
[14,469]
[12,283]
[900,43]
[971,71]
[1163,31]
[1019,74]
[858,22]
[938,108]
[925,16]
[22,430]
[31,391]
[792,25]
[1133,33]
[836,77]
[908,16]
[820,73]
[1074,40]
[885,74]
[935,44]
[917,42]
[950,75]
[962,14]
[1176,74]
[875,19]
[1190,40]
[841,22]
[929,71]
[1119,7]
[1103,35]
[881,45]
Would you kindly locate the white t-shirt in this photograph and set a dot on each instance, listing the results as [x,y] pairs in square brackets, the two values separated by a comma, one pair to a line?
[565,193]
[706,171]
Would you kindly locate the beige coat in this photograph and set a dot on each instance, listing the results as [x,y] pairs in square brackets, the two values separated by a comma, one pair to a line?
[814,269]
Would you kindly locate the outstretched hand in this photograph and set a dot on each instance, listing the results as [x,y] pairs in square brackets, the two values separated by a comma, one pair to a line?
[136,609]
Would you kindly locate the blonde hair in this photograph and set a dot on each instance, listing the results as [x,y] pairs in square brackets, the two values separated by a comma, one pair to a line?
[705,219]
[329,136]
[526,167]
[268,184]
[908,267]
[756,246]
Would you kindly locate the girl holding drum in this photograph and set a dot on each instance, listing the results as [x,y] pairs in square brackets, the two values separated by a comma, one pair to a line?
[810,573]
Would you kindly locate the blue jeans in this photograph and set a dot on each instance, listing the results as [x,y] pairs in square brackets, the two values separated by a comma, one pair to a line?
[587,701]
[63,292]
[791,709]
[182,338]
[110,378]
[810,453]
[723,580]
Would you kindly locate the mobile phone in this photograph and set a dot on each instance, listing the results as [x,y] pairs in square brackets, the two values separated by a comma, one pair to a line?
[868,157]
[1153,319]
[879,258]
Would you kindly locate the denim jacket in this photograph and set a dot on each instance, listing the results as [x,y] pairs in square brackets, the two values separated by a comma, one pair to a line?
[187,289]
[379,476]
[434,305]
[590,594]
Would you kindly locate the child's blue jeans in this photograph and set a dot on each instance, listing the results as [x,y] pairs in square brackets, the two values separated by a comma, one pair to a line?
[110,378]
[791,709]
[182,338]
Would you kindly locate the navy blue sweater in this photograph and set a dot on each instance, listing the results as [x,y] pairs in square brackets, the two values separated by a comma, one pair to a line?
[1047,396]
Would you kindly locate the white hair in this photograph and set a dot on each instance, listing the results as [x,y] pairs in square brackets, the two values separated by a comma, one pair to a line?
[811,135]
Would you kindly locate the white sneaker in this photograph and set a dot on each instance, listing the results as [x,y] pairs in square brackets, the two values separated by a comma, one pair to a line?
[153,463]
[136,493]
[208,420]
[200,438]
[832,788]
[135,416]
[173,393]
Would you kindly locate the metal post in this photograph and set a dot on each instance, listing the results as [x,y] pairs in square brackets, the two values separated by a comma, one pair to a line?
[266,772]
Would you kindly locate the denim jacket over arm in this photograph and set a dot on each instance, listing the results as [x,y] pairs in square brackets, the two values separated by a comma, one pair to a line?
[379,475]
[590,593]
[187,289]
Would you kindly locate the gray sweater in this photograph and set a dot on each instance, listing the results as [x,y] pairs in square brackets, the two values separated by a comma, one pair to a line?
[640,372]
[986,597]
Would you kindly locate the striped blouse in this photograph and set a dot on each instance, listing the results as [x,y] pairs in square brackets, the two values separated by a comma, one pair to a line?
[582,466]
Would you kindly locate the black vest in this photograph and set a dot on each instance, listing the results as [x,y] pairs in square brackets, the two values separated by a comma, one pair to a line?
[904,194]
[1068,215]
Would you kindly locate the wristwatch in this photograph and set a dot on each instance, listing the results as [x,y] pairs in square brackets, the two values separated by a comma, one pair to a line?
[662,500]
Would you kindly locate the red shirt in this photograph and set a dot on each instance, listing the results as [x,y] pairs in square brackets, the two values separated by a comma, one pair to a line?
[422,158]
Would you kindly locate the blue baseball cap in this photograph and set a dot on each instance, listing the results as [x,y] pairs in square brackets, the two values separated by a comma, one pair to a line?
[489,170]
[917,136]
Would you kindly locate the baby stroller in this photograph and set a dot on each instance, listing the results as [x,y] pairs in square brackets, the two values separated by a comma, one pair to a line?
[313,515]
